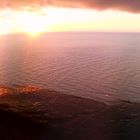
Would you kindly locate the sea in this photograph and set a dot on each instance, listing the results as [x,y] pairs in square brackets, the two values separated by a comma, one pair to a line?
[97,65]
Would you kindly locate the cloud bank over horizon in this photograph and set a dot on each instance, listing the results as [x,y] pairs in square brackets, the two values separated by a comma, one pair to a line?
[125,5]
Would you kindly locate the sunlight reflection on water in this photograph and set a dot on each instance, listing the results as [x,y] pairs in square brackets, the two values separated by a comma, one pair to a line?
[94,65]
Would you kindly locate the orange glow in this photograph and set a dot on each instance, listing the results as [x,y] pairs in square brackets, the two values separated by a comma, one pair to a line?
[51,19]
[31,23]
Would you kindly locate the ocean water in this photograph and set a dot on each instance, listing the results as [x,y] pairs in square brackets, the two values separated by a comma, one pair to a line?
[100,66]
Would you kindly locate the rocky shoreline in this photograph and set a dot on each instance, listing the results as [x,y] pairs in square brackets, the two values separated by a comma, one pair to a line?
[28,112]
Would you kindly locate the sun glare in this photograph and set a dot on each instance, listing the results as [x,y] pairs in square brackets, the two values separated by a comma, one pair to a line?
[52,19]
[32,23]
[43,20]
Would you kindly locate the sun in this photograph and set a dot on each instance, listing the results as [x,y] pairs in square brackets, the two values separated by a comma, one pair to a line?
[33,34]
[32,23]
[34,28]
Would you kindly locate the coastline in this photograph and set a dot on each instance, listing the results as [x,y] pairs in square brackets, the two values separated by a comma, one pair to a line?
[33,113]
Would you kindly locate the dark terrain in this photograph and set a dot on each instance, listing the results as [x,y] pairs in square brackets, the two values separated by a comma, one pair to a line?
[30,113]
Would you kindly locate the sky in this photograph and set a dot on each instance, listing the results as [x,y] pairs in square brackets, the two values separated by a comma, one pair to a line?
[35,16]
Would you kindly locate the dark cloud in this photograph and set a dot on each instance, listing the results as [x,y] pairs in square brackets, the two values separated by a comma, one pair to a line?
[127,5]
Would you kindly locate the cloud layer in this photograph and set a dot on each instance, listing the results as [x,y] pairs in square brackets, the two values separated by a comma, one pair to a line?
[127,5]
